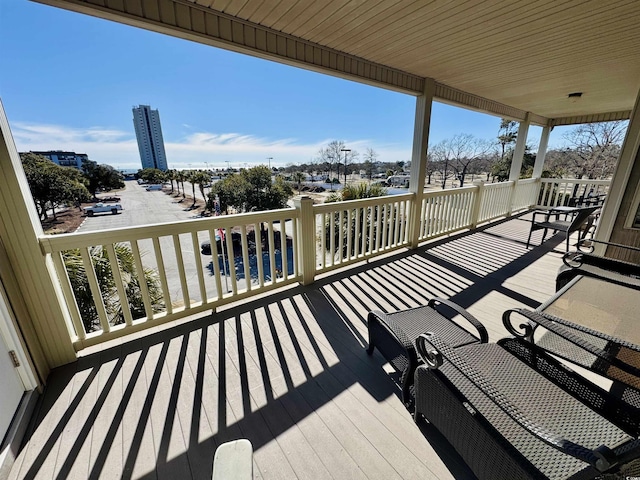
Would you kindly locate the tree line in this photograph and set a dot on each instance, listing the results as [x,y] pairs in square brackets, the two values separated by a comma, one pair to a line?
[590,151]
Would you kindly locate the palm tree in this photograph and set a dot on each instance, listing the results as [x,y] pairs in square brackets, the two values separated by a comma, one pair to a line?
[201,179]
[191,175]
[171,176]
[298,178]
[181,176]
[107,283]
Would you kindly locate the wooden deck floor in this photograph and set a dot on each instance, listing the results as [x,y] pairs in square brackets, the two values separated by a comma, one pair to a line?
[288,371]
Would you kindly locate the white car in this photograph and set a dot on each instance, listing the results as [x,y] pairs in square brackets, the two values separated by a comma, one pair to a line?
[154,187]
[103,208]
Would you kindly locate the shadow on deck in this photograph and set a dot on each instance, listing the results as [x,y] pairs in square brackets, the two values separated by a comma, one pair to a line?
[287,371]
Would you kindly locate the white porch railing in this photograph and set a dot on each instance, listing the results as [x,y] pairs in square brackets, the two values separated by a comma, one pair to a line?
[348,232]
[558,191]
[182,280]
[99,272]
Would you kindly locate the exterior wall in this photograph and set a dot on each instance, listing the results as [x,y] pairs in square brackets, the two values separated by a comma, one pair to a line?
[149,135]
[65,159]
[627,236]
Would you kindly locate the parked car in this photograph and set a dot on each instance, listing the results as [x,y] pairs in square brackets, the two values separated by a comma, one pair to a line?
[102,208]
[154,187]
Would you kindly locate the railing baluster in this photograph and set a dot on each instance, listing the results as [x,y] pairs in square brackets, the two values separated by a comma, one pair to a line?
[144,289]
[356,243]
[294,246]
[372,239]
[186,298]
[332,238]
[166,294]
[199,268]
[259,257]
[117,278]
[378,237]
[231,259]
[349,239]
[340,236]
[69,296]
[283,249]
[215,263]
[95,289]
[245,256]
[272,253]
[384,243]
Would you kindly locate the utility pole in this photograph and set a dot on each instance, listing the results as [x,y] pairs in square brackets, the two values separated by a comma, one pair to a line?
[345,150]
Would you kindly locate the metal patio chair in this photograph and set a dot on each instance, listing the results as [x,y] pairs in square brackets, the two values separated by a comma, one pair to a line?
[582,218]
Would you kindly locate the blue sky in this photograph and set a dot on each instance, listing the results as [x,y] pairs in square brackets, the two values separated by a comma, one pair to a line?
[68,82]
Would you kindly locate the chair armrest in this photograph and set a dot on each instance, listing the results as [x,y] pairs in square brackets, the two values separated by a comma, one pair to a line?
[432,350]
[566,330]
[546,213]
[482,331]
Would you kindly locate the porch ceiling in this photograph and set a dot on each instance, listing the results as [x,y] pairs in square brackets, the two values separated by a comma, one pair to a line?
[525,55]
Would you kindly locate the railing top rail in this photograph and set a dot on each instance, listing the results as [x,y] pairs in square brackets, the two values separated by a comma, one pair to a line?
[449,192]
[528,180]
[68,241]
[576,180]
[499,184]
[365,202]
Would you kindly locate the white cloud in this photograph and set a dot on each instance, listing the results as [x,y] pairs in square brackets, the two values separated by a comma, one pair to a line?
[119,148]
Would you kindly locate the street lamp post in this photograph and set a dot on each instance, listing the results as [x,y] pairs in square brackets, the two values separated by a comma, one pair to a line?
[269,158]
[345,150]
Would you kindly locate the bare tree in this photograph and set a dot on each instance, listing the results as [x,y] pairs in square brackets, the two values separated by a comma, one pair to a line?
[330,155]
[458,154]
[334,154]
[370,158]
[594,148]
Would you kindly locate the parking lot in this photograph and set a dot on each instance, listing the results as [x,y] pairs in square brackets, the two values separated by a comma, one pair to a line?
[140,207]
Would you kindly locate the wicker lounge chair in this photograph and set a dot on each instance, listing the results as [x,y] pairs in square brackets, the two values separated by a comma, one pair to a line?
[580,220]
[394,335]
[612,358]
[584,262]
[508,421]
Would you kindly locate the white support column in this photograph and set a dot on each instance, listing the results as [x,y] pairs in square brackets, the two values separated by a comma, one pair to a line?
[37,283]
[542,152]
[307,238]
[628,155]
[419,155]
[518,153]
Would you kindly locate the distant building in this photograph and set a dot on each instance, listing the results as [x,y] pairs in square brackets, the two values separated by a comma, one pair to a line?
[149,135]
[65,159]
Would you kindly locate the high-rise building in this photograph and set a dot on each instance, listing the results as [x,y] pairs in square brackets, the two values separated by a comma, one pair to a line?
[149,135]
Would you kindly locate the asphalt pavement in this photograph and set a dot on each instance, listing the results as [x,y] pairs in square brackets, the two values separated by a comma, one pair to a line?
[140,207]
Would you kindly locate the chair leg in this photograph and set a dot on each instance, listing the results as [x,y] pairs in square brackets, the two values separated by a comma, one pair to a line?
[544,235]
[529,239]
